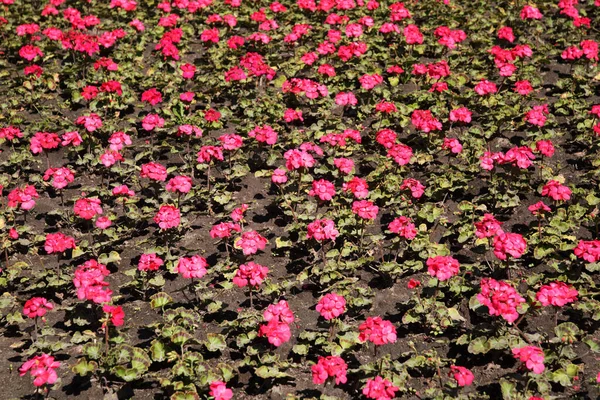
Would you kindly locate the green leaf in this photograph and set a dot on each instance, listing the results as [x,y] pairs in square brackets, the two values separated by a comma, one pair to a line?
[84,367]
[160,300]
[215,342]
[157,351]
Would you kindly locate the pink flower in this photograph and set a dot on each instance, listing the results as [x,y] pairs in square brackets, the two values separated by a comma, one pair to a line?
[71,138]
[58,243]
[453,145]
[264,134]
[251,273]
[224,230]
[530,12]
[358,187]
[413,283]
[461,114]
[488,227]
[37,307]
[231,141]
[187,71]
[346,99]
[556,294]
[380,389]
[523,87]
[152,121]
[519,156]
[401,153]
[152,96]
[331,306]
[589,250]
[296,159]
[167,217]
[545,147]
[329,367]
[463,376]
[404,227]
[149,262]
[238,213]
[368,82]
[192,267]
[377,330]
[103,223]
[365,209]
[280,312]
[276,332]
[250,242]
[532,356]
[345,165]
[279,176]
[442,267]
[322,229]
[509,244]
[42,369]
[179,184]
[485,87]
[209,153]
[43,141]
[219,391]
[556,191]
[416,188]
[118,140]
[122,190]
[323,189]
[24,197]
[413,35]
[506,33]
[115,313]
[87,208]
[424,121]
[91,122]
[539,208]
[154,171]
[61,177]
[537,115]
[500,298]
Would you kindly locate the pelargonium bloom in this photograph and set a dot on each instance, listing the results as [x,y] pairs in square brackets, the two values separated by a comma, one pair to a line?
[37,307]
[589,250]
[323,189]
[251,273]
[500,298]
[276,332]
[149,262]
[463,376]
[556,294]
[167,217]
[377,330]
[280,312]
[87,208]
[365,209]
[329,367]
[42,368]
[556,191]
[509,244]
[115,313]
[250,242]
[380,389]
[331,306]
[219,391]
[442,267]
[404,227]
[488,226]
[532,356]
[192,267]
[58,243]
[322,229]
